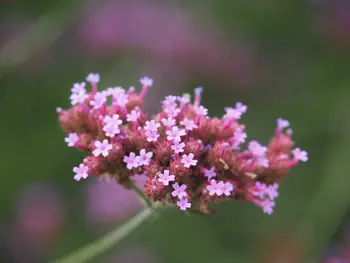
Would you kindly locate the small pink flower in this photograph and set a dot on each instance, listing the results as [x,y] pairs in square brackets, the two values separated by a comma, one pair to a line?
[145,157]
[152,136]
[257,149]
[172,110]
[188,160]
[282,124]
[272,191]
[215,188]
[209,173]
[239,137]
[178,146]
[175,134]
[227,188]
[102,148]
[264,162]
[179,191]
[232,113]
[166,177]
[81,172]
[79,87]
[98,101]
[183,204]
[93,78]
[241,107]
[132,161]
[300,155]
[121,99]
[184,99]
[170,101]
[146,81]
[268,206]
[169,122]
[151,126]
[201,111]
[189,124]
[133,116]
[72,139]
[111,127]
[78,97]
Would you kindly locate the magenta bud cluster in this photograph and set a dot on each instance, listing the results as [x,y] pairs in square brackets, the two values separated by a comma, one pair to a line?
[190,159]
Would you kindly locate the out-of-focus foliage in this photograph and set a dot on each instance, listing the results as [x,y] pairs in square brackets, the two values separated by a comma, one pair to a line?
[287,59]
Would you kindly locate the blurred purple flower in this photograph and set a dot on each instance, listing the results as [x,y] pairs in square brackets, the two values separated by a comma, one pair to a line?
[333,20]
[107,202]
[166,35]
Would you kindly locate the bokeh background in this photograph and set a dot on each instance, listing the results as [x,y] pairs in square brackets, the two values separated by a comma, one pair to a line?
[283,58]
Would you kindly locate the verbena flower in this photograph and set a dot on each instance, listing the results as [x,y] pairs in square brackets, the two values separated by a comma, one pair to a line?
[190,158]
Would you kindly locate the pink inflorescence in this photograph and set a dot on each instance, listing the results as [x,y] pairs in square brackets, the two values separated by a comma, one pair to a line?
[190,159]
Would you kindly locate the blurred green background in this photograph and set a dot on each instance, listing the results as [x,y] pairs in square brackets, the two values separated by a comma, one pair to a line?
[287,59]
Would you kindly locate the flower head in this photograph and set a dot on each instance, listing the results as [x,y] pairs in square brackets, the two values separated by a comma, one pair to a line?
[189,158]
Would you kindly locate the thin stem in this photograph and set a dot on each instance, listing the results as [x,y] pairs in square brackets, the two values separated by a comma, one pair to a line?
[100,246]
[142,195]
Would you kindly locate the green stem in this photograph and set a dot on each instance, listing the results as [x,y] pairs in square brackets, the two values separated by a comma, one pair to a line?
[100,246]
[142,195]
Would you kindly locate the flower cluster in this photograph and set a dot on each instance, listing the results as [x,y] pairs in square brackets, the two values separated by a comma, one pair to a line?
[190,159]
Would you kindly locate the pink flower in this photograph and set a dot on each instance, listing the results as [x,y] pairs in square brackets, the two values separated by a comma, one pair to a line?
[166,177]
[183,204]
[272,191]
[209,173]
[189,124]
[175,134]
[170,101]
[300,155]
[227,188]
[93,78]
[133,116]
[232,113]
[98,101]
[201,111]
[121,99]
[257,149]
[282,124]
[79,87]
[146,81]
[151,126]
[178,146]
[145,157]
[268,206]
[215,188]
[184,99]
[179,191]
[264,162]
[152,136]
[241,107]
[238,138]
[78,97]
[111,127]
[132,161]
[72,139]
[169,122]
[188,160]
[172,110]
[102,148]
[80,172]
